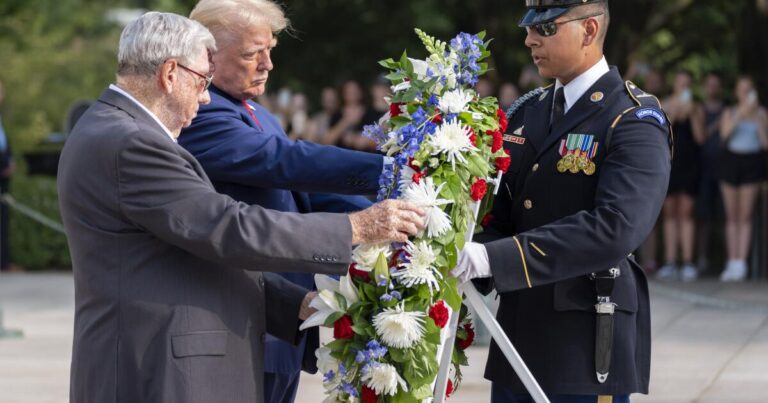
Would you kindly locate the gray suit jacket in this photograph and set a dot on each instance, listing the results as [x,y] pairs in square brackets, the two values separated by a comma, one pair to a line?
[164,309]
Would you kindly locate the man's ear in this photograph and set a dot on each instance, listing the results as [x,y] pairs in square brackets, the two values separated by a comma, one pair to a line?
[168,75]
[591,31]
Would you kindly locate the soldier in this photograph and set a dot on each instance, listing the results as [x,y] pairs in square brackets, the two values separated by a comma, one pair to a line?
[590,168]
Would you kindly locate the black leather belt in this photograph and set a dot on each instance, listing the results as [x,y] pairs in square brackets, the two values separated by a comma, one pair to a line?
[604,282]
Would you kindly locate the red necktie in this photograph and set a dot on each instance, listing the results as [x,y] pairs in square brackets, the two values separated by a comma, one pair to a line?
[253,115]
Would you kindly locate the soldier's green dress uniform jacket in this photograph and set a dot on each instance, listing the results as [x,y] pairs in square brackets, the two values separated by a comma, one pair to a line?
[551,229]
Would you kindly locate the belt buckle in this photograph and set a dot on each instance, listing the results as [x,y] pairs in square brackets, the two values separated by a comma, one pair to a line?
[605,308]
[613,272]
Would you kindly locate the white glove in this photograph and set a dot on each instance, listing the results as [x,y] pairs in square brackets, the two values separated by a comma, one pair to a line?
[472,263]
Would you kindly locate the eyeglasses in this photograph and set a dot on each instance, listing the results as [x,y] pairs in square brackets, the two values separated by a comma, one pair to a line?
[550,28]
[202,86]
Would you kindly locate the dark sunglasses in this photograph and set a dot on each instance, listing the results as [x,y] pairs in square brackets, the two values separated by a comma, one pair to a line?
[202,87]
[550,28]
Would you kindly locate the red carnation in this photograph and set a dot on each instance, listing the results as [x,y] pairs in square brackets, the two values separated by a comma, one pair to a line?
[477,192]
[437,119]
[498,140]
[472,137]
[342,328]
[369,395]
[487,220]
[464,344]
[355,273]
[439,313]
[394,109]
[502,163]
[503,122]
[449,389]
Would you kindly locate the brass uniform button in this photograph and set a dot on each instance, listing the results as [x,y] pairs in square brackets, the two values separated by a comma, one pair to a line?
[535,167]
[528,204]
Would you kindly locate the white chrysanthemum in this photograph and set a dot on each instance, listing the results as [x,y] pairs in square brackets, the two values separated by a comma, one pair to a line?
[384,379]
[425,196]
[399,328]
[452,139]
[366,255]
[421,267]
[326,303]
[455,101]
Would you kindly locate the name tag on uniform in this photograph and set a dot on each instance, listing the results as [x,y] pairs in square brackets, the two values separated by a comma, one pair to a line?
[514,139]
[516,136]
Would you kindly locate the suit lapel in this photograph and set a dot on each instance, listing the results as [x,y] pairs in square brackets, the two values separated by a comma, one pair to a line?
[583,109]
[536,120]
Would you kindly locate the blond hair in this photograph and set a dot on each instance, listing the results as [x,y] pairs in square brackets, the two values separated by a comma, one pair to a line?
[225,18]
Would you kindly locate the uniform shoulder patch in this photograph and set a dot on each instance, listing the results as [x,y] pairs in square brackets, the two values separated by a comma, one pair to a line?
[651,112]
[535,94]
[641,97]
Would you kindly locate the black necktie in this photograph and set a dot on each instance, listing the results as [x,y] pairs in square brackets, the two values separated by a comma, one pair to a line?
[558,109]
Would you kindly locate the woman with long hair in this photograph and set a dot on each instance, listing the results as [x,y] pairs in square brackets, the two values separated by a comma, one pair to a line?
[687,118]
[744,131]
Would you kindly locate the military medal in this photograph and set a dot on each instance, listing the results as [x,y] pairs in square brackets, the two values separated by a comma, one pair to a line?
[591,167]
[586,146]
[569,159]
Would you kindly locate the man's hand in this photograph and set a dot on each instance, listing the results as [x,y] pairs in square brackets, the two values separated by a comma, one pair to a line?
[306,311]
[390,220]
[473,263]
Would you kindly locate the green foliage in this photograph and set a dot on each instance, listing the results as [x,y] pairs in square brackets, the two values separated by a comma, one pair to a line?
[33,245]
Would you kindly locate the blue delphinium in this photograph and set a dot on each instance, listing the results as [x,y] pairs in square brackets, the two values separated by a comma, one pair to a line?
[377,134]
[467,47]
[433,100]
[419,116]
[328,376]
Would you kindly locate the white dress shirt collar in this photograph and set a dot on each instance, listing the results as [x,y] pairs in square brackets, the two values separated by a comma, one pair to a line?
[144,108]
[576,88]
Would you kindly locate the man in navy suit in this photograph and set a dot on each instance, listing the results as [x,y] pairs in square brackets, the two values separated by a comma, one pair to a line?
[248,156]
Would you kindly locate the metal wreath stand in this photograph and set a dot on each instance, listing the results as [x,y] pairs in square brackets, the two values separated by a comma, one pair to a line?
[475,300]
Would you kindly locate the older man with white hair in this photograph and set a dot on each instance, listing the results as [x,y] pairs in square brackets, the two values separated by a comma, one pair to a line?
[165,311]
[248,156]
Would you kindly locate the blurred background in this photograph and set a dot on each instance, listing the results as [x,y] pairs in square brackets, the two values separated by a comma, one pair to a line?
[710,330]
[59,55]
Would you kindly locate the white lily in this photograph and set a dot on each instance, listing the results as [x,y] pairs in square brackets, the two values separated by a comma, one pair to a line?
[326,303]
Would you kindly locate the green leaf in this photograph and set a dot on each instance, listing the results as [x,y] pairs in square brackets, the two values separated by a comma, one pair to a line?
[432,332]
[451,294]
[332,318]
[397,355]
[341,300]
[422,392]
[338,345]
[404,397]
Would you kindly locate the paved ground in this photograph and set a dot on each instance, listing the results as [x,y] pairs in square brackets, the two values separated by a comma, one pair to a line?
[710,344]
